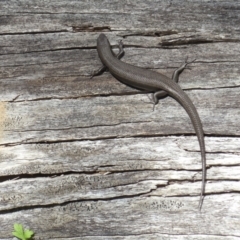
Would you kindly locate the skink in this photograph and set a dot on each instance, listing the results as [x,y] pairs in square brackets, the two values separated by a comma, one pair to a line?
[157,83]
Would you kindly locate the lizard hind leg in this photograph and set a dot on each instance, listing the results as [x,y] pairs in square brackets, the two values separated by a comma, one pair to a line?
[175,77]
[155,97]
[121,50]
[178,71]
[98,72]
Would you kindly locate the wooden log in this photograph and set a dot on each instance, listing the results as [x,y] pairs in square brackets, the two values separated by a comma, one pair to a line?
[85,159]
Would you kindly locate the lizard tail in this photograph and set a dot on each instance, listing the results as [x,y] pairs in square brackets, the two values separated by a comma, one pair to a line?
[203,179]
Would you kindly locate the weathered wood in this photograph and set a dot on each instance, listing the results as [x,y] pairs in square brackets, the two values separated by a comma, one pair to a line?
[154,172]
[101,218]
[38,66]
[153,17]
[85,159]
[54,120]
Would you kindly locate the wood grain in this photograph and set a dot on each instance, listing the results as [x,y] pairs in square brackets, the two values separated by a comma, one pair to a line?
[84,159]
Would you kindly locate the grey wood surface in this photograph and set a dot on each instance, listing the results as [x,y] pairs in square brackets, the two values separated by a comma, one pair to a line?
[84,159]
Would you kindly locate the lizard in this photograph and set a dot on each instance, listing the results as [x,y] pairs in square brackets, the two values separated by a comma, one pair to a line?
[160,86]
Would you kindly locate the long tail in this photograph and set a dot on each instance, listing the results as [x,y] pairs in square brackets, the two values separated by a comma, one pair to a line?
[186,102]
[203,178]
